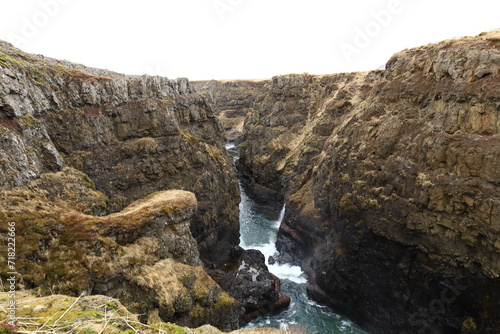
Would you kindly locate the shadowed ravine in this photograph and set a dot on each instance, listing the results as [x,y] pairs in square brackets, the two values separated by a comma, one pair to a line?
[259,227]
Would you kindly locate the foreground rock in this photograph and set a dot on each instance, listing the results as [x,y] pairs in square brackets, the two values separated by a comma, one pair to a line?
[91,314]
[391,180]
[144,255]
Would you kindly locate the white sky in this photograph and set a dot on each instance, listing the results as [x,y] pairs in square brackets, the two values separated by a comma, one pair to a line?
[237,39]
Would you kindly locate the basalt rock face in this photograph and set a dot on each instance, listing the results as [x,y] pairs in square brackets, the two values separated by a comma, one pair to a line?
[233,100]
[91,163]
[288,129]
[391,181]
[246,276]
[131,135]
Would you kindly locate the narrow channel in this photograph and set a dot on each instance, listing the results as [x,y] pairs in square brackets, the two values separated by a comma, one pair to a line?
[258,229]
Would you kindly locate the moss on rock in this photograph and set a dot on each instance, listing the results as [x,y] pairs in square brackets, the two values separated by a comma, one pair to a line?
[145,254]
[90,314]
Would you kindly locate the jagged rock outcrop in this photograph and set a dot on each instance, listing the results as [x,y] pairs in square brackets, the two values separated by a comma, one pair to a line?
[289,127]
[144,255]
[131,135]
[77,147]
[391,180]
[233,99]
[247,279]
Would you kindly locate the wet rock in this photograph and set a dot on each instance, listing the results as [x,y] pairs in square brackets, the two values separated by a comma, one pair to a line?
[249,281]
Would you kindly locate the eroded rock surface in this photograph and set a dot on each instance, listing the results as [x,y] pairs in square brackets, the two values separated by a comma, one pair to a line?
[131,135]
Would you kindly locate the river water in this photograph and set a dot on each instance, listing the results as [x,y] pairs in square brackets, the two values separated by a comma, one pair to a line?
[258,229]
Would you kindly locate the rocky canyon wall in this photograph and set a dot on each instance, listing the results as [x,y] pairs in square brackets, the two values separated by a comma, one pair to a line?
[131,136]
[83,154]
[233,99]
[391,180]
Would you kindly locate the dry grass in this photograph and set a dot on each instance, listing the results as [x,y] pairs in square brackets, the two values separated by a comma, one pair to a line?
[90,315]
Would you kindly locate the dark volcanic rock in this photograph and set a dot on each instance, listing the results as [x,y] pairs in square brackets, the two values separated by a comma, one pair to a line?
[131,135]
[233,99]
[391,180]
[248,280]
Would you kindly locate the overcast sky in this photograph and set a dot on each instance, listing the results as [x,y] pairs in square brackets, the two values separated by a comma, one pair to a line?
[237,39]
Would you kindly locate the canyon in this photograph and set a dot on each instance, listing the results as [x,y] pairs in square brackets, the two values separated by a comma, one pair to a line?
[390,179]
[121,186]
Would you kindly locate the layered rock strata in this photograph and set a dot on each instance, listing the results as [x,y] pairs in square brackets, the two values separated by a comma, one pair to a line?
[144,255]
[391,180]
[233,99]
[131,135]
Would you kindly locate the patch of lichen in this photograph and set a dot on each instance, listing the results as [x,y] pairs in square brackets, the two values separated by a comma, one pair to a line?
[190,138]
[29,121]
[469,326]
[7,61]
[224,300]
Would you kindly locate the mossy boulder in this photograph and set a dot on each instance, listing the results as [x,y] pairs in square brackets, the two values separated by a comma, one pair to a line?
[144,255]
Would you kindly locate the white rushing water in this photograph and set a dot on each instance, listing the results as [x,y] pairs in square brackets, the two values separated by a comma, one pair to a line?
[268,244]
[259,229]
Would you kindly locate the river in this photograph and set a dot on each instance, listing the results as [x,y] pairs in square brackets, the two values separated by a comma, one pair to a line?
[258,229]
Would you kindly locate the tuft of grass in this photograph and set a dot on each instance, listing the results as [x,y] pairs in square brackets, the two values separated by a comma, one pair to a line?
[6,328]
[189,138]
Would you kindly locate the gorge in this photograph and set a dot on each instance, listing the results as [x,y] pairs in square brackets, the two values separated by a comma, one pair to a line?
[121,186]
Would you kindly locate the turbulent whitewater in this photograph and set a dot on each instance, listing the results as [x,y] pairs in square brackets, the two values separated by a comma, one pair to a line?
[259,227]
